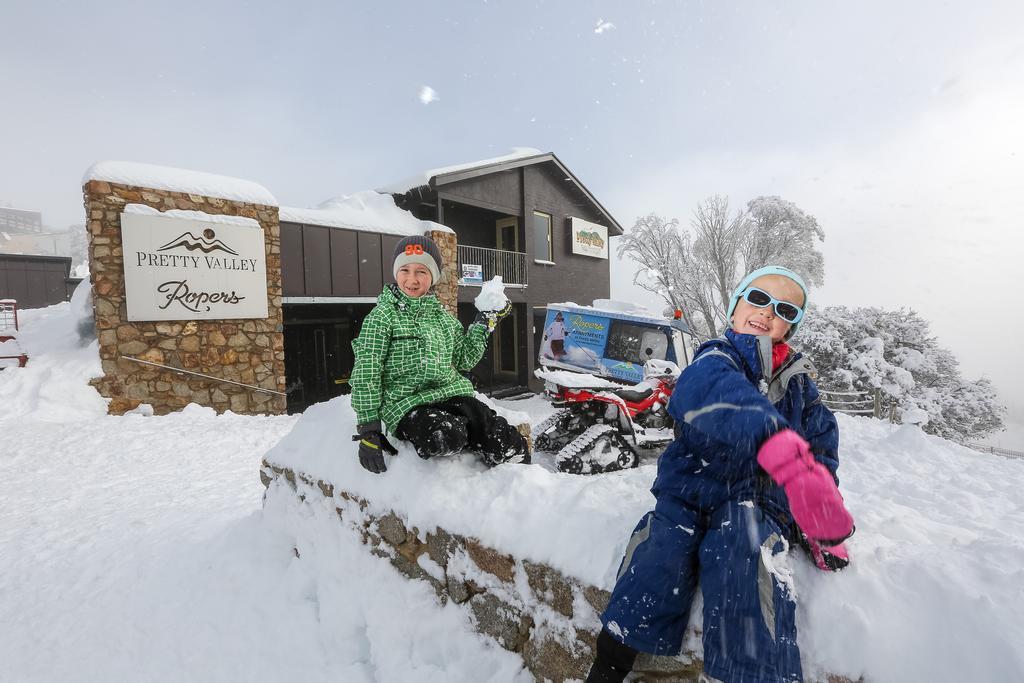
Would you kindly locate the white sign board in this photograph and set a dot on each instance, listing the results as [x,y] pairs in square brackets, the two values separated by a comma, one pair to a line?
[589,239]
[472,273]
[184,269]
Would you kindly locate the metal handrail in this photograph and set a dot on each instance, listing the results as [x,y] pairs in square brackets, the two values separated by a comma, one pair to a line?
[510,265]
[199,374]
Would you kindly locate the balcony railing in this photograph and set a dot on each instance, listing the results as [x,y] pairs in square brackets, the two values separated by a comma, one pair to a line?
[477,265]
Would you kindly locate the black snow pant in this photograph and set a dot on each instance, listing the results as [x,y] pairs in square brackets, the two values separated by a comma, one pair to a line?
[460,423]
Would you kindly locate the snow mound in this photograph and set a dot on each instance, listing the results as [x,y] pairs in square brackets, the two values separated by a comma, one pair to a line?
[366,211]
[423,178]
[621,307]
[179,180]
[54,386]
[935,590]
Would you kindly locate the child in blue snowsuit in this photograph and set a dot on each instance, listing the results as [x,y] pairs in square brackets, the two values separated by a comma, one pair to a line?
[752,466]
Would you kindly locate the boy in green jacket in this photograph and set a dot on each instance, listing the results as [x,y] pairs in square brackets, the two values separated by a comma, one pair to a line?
[408,356]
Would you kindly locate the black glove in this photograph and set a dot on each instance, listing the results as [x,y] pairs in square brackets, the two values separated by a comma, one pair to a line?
[828,558]
[491,318]
[371,442]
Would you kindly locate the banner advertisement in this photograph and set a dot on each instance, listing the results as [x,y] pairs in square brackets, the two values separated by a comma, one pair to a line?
[472,274]
[589,239]
[577,341]
[184,269]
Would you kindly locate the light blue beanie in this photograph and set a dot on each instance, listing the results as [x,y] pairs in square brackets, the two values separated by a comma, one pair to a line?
[767,270]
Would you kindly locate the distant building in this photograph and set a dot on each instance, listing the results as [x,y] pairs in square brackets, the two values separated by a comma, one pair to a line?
[16,221]
[22,232]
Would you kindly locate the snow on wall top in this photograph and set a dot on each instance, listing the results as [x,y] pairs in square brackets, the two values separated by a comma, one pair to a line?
[179,180]
[423,178]
[193,215]
[366,211]
[933,591]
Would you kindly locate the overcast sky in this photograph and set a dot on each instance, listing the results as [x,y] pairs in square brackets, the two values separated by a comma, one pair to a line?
[900,126]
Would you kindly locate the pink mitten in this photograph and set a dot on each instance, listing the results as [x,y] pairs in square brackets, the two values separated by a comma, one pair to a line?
[828,558]
[814,500]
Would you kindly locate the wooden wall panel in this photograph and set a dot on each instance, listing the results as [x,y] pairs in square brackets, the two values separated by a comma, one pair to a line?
[370,272]
[344,263]
[316,260]
[293,277]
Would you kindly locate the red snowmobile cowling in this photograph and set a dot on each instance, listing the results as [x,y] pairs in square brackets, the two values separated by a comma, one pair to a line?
[603,426]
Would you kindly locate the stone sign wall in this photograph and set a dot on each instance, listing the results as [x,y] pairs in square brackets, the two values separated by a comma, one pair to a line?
[447,290]
[242,352]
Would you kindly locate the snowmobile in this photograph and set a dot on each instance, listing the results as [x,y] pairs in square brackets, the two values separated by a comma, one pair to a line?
[610,368]
[603,426]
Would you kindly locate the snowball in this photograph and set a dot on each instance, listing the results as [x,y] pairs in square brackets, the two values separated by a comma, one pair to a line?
[492,296]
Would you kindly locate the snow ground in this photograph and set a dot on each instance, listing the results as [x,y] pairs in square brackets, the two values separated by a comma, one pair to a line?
[137,548]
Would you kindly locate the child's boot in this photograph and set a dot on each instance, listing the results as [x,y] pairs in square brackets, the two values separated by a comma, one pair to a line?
[614,660]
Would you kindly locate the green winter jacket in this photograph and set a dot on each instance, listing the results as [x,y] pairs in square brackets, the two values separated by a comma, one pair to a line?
[408,353]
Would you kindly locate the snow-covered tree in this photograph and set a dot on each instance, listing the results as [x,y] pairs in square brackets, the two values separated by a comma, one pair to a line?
[78,242]
[779,232]
[863,349]
[695,269]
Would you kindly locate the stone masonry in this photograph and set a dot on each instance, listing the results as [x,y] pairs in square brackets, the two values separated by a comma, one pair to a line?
[447,290]
[246,351]
[526,607]
[529,608]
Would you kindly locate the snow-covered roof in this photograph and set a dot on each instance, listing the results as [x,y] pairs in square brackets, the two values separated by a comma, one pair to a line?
[366,211]
[519,156]
[179,180]
[423,178]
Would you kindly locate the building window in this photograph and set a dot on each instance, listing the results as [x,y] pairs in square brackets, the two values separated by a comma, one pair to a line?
[542,243]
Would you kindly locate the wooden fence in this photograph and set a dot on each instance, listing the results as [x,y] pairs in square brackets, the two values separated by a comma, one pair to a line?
[870,403]
[857,403]
[1016,455]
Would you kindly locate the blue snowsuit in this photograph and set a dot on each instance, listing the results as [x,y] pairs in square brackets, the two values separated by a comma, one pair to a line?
[719,518]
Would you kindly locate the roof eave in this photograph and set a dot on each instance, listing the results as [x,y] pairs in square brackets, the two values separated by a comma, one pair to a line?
[477,171]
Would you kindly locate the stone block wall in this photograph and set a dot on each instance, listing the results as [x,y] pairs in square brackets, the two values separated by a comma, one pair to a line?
[245,351]
[447,289]
[527,607]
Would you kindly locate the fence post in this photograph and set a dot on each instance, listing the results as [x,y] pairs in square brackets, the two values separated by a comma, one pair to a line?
[878,403]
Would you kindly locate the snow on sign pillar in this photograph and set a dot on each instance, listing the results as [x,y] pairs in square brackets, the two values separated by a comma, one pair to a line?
[186,279]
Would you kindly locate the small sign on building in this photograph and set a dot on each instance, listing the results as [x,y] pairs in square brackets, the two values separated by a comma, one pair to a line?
[184,269]
[589,239]
[472,274]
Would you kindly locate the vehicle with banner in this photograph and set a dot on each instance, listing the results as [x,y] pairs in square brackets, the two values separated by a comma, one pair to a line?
[611,339]
[611,368]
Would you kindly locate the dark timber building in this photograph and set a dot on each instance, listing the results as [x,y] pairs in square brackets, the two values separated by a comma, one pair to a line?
[525,217]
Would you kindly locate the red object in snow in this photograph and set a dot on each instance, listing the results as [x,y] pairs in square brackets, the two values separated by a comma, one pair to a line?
[8,334]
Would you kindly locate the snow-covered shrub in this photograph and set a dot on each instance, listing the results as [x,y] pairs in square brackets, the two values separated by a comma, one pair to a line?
[862,349]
